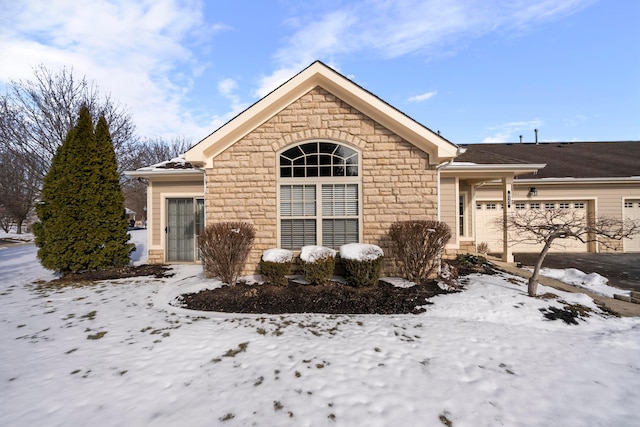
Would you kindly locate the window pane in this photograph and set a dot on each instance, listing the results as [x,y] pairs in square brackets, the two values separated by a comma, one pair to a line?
[296,233]
[297,200]
[340,200]
[338,232]
[337,160]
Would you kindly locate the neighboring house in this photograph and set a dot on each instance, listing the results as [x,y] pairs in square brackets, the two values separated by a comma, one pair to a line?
[594,178]
[319,160]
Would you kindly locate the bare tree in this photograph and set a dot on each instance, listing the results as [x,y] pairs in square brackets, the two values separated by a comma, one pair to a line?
[5,220]
[37,114]
[147,152]
[19,188]
[546,226]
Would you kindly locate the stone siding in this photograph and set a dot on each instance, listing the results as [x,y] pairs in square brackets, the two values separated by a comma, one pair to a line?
[397,181]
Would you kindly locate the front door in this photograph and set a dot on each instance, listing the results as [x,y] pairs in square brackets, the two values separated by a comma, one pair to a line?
[185,218]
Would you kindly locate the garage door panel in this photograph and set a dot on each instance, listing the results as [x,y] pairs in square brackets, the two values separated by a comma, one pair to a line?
[487,213]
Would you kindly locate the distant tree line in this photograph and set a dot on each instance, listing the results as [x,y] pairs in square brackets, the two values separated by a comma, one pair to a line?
[37,114]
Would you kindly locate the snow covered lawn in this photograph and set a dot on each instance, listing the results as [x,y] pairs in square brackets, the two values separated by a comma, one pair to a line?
[117,353]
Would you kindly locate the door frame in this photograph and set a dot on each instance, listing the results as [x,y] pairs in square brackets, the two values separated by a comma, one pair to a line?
[164,222]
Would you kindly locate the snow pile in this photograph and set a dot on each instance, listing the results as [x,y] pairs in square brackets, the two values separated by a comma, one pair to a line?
[23,237]
[360,252]
[592,281]
[315,253]
[117,353]
[277,255]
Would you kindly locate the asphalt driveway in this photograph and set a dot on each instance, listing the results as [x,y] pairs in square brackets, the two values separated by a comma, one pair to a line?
[622,270]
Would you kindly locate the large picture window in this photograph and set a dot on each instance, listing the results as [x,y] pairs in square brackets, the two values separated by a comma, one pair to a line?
[319,198]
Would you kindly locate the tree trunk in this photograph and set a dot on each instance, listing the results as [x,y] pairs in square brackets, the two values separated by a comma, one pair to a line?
[532,286]
[19,225]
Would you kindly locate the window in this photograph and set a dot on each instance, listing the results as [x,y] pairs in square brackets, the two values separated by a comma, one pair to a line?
[491,206]
[534,205]
[479,206]
[319,195]
[564,205]
[521,205]
[549,205]
[578,205]
[628,204]
[461,203]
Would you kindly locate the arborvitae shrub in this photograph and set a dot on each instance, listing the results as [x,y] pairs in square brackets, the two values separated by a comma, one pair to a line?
[82,224]
[362,273]
[362,264]
[275,271]
[318,268]
[417,247]
[224,248]
[320,271]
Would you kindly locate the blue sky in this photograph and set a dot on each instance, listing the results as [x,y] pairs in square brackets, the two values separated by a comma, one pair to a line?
[478,71]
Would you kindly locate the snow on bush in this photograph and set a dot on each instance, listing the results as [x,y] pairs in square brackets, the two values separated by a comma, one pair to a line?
[277,255]
[315,253]
[318,263]
[360,252]
[275,265]
[362,263]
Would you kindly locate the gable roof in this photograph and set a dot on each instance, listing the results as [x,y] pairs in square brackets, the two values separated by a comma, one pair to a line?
[563,159]
[319,74]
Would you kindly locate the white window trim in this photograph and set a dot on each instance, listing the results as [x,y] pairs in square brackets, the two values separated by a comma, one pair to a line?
[318,182]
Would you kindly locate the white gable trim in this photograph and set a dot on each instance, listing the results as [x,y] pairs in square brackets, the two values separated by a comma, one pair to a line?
[318,74]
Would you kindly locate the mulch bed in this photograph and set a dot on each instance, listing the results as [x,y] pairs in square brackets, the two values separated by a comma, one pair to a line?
[156,270]
[331,298]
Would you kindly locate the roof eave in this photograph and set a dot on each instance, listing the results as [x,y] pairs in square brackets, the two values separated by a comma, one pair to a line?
[318,74]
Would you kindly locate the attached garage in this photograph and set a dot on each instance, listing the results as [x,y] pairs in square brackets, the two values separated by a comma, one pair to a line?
[632,211]
[488,213]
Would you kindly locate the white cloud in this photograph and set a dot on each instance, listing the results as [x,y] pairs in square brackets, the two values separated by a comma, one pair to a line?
[423,97]
[132,49]
[391,29]
[227,86]
[510,132]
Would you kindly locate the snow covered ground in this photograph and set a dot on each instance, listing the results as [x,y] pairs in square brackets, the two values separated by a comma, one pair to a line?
[117,353]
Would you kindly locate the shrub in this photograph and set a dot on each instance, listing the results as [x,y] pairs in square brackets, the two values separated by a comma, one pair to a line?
[483,248]
[224,248]
[318,264]
[417,246]
[362,264]
[275,264]
[82,226]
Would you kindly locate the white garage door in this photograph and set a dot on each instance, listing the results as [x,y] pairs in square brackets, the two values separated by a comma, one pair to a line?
[487,231]
[632,211]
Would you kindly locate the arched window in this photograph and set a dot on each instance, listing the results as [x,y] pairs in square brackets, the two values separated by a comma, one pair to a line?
[319,195]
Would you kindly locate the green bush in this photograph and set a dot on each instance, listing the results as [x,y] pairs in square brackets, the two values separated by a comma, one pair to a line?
[81,212]
[362,264]
[224,248]
[362,273]
[318,264]
[275,268]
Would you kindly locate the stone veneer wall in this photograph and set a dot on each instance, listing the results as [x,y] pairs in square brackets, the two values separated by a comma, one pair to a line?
[397,181]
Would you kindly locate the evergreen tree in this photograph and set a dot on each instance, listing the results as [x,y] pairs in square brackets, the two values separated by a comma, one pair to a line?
[82,224]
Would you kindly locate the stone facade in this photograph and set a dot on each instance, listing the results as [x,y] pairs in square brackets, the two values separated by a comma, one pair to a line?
[397,181]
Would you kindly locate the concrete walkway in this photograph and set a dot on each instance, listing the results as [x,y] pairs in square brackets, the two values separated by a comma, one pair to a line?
[622,308]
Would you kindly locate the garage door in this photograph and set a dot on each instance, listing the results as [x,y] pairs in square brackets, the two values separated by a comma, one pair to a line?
[632,211]
[487,231]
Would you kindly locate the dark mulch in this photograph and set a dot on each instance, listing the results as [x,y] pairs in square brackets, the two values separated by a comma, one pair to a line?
[332,298]
[112,273]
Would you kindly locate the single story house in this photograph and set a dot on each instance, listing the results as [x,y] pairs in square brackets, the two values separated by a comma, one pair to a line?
[320,160]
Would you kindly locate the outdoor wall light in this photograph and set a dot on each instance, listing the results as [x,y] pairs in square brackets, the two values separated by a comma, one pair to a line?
[533,191]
